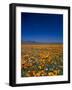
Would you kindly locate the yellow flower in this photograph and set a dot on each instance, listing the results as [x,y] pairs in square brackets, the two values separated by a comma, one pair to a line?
[50,74]
[33,72]
[55,72]
[37,74]
[39,67]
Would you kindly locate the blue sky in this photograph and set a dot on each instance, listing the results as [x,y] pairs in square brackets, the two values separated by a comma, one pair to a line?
[46,28]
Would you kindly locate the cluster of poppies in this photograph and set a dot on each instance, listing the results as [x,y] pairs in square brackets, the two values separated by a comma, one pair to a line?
[37,60]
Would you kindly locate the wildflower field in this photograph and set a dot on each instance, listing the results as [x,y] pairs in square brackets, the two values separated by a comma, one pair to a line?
[41,60]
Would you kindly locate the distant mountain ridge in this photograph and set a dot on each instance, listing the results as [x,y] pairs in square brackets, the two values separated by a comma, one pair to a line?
[28,42]
[34,42]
